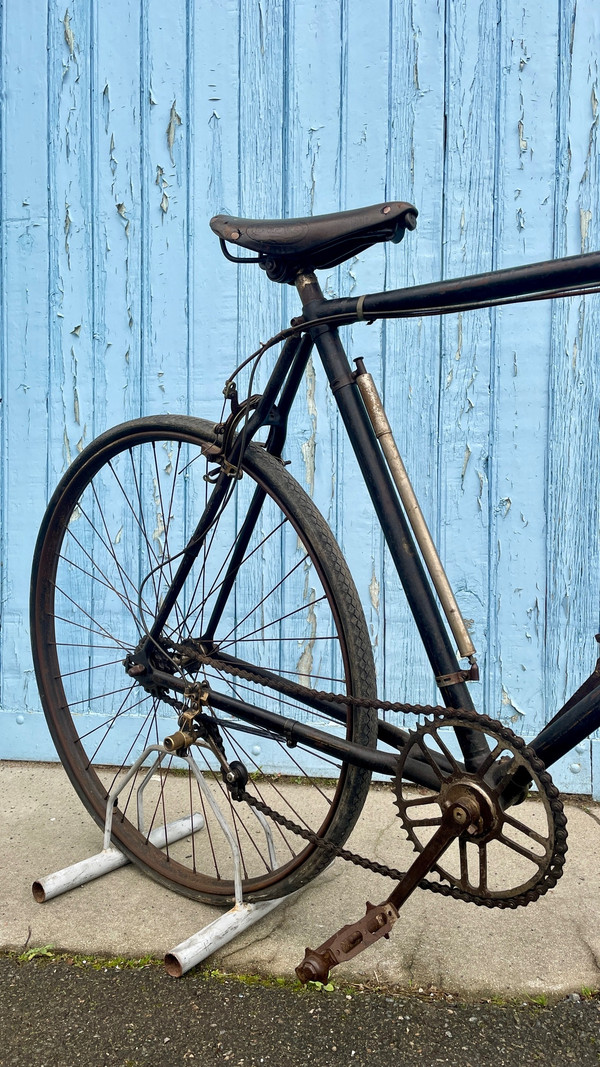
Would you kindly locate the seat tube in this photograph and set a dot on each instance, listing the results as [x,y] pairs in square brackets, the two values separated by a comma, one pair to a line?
[395,526]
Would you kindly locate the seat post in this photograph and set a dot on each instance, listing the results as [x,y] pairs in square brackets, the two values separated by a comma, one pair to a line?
[308,287]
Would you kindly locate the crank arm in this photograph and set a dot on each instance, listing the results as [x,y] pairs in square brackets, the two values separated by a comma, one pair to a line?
[379,918]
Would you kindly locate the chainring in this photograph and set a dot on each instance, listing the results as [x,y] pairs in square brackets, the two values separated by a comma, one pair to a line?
[529,855]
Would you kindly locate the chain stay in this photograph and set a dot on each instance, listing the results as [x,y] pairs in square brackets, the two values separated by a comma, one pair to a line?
[556,865]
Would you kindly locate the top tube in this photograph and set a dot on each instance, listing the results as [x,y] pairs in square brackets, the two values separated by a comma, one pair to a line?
[552,278]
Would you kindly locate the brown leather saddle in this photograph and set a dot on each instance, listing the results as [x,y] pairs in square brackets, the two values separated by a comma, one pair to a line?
[287,247]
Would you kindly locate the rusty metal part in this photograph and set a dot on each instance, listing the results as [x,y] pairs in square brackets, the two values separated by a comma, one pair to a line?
[458,817]
[347,942]
[468,675]
[541,850]
[383,432]
[196,696]
[136,669]
[471,813]
[180,739]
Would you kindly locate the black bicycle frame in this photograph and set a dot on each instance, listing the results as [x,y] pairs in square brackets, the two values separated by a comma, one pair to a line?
[580,716]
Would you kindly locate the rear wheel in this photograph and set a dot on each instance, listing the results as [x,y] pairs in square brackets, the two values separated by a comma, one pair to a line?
[280,598]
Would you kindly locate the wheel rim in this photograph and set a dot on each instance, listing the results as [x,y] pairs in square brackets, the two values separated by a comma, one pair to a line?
[118,527]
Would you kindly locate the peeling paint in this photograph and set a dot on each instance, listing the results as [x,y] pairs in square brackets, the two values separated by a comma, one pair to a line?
[163,185]
[466,459]
[122,211]
[374,590]
[481,480]
[69,35]
[67,228]
[308,448]
[168,449]
[585,217]
[106,106]
[174,122]
[66,448]
[305,661]
[314,145]
[113,161]
[159,529]
[507,701]
[459,344]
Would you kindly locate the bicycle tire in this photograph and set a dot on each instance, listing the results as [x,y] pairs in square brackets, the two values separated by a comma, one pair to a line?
[106,551]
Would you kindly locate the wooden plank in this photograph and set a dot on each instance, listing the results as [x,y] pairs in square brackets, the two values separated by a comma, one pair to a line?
[573,442]
[414,169]
[364,103]
[24,321]
[71,367]
[213,138]
[516,468]
[472,42]
[312,186]
[164,197]
[120,95]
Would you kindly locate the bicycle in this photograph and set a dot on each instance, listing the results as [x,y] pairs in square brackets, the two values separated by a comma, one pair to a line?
[198,638]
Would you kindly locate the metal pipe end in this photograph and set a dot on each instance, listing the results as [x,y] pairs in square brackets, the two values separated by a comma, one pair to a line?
[173,966]
[178,740]
[39,893]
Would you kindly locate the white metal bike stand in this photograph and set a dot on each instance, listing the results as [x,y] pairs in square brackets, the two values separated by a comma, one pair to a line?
[219,932]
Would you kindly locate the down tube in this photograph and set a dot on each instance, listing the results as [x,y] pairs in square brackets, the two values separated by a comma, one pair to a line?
[397,533]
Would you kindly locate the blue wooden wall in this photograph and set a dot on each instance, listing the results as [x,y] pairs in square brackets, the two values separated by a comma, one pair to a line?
[126,124]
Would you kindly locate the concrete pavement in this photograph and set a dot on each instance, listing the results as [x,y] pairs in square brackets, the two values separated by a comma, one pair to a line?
[551,947]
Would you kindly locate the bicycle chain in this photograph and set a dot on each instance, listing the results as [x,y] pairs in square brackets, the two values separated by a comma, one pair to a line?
[293,689]
[557,861]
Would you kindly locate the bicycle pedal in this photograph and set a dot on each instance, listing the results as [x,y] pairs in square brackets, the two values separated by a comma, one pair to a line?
[347,942]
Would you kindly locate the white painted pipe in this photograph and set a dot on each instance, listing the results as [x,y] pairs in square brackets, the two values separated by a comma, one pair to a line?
[218,933]
[109,859]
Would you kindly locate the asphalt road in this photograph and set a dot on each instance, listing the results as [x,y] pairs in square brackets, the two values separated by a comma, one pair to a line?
[60,1014]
